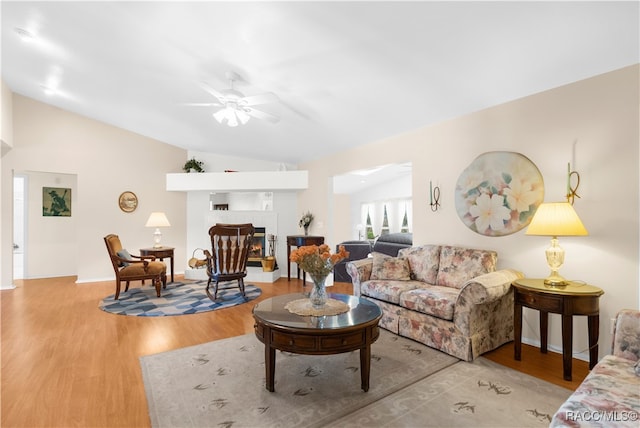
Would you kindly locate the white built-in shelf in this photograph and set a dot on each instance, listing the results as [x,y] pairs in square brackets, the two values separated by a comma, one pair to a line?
[254,181]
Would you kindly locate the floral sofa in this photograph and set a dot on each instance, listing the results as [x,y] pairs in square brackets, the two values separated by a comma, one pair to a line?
[449,298]
[610,394]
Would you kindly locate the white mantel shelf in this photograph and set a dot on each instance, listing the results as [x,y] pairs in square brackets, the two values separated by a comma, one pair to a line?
[254,181]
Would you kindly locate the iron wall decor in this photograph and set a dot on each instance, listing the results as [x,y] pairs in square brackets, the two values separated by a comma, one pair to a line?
[498,193]
[572,192]
[56,202]
[434,197]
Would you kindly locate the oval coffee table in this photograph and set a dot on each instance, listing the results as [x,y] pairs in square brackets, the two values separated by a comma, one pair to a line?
[278,328]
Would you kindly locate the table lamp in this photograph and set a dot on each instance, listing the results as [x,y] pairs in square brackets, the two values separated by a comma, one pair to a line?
[157,220]
[556,219]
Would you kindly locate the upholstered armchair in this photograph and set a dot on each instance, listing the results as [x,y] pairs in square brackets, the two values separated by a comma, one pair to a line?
[133,267]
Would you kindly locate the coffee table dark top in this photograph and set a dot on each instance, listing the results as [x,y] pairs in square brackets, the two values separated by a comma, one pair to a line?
[273,313]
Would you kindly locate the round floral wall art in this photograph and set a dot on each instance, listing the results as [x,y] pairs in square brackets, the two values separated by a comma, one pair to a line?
[498,193]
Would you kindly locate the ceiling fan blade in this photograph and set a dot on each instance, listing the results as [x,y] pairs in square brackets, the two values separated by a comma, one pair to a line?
[252,100]
[202,104]
[213,92]
[262,115]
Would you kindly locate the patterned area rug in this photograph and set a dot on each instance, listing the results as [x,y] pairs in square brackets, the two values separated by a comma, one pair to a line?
[177,299]
[222,384]
[478,394]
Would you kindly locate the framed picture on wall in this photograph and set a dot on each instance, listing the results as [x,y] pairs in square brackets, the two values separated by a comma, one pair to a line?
[56,202]
[128,201]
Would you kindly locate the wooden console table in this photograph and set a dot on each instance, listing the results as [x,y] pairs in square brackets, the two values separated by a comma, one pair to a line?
[572,299]
[300,241]
[160,253]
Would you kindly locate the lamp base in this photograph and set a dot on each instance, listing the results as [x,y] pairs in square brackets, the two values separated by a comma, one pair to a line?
[555,259]
[555,280]
[157,237]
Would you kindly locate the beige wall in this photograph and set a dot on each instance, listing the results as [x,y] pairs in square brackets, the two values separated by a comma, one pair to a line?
[106,161]
[592,123]
[6,143]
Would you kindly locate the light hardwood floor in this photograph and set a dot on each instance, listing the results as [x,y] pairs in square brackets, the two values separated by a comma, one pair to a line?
[66,363]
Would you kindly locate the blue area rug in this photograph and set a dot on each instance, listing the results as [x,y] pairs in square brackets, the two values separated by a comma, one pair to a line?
[177,299]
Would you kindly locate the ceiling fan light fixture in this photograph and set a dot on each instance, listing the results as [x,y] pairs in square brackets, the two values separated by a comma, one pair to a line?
[243,116]
[232,120]
[220,115]
[235,106]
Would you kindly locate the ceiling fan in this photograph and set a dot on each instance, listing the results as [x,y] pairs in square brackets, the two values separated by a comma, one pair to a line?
[235,106]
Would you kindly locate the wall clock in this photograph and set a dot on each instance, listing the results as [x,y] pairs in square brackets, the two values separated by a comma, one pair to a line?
[128,202]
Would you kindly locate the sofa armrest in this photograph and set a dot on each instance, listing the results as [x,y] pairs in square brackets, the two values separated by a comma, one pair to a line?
[481,297]
[626,335]
[360,271]
[487,287]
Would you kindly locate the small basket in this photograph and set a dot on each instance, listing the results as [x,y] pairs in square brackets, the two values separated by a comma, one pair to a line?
[195,263]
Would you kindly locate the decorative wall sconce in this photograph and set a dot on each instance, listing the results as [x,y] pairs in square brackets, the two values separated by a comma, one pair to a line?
[434,197]
[572,192]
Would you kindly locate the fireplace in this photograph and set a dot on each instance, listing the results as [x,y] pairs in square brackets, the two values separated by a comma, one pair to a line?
[257,249]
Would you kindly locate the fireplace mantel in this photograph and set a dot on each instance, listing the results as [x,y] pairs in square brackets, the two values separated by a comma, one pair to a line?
[254,181]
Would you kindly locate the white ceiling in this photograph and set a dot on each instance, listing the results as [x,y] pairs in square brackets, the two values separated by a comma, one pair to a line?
[346,73]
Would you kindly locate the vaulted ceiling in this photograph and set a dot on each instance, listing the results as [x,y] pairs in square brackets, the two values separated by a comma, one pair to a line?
[345,73]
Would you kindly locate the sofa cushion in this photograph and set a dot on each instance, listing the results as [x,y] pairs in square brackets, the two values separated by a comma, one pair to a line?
[138,269]
[610,386]
[431,300]
[458,265]
[423,262]
[391,268]
[387,291]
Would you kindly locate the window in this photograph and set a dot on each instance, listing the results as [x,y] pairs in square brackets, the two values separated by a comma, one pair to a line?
[383,217]
[385,222]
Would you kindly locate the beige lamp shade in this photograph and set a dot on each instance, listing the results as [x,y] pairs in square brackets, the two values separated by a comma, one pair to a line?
[556,219]
[158,219]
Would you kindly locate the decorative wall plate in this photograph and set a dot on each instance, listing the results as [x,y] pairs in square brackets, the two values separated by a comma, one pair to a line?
[128,202]
[498,193]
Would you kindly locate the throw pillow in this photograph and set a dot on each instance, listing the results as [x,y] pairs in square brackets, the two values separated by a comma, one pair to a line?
[124,254]
[390,268]
[423,262]
[458,265]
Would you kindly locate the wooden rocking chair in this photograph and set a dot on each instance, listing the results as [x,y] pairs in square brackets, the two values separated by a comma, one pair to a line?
[230,245]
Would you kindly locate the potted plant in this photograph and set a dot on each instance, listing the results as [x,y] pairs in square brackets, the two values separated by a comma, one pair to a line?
[193,164]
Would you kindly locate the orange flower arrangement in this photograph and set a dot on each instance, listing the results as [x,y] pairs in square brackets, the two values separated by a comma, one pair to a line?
[316,260]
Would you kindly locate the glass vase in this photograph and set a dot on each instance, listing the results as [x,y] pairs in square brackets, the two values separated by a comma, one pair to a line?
[318,295]
[306,230]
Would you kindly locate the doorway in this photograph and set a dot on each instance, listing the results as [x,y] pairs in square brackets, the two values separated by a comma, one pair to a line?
[43,237]
[19,225]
